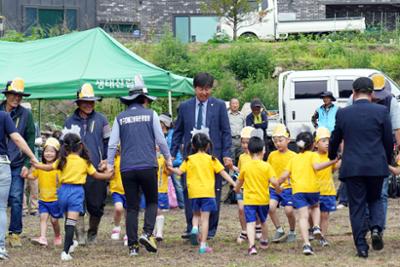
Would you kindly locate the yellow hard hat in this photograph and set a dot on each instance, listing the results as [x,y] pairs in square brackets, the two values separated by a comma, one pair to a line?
[378,81]
[15,86]
[86,93]
[280,130]
[322,132]
[53,143]
[246,132]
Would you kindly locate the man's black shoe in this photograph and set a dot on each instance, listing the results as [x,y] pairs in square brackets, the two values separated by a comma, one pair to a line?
[377,241]
[185,235]
[362,254]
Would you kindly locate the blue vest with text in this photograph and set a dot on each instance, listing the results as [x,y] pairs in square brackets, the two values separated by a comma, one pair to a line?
[138,147]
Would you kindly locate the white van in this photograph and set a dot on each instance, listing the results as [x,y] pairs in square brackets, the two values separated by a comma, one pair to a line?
[299,93]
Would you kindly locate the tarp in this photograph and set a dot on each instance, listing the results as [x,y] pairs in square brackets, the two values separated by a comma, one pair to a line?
[55,68]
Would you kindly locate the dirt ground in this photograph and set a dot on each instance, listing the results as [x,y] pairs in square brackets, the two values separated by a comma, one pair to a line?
[173,251]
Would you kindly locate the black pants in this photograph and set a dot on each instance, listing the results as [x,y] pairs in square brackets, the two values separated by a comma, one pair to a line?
[134,183]
[95,196]
[362,191]
[214,216]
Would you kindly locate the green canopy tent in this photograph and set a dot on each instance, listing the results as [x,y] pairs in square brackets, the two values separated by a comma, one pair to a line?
[55,68]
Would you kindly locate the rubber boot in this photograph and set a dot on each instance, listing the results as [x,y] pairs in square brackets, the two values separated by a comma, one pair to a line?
[93,228]
[80,231]
[159,229]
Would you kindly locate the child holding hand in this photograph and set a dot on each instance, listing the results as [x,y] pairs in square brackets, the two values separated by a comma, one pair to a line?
[200,169]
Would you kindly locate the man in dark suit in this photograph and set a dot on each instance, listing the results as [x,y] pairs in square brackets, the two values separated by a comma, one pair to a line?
[204,111]
[366,131]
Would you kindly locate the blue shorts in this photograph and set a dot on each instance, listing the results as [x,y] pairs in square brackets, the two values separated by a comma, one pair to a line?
[119,198]
[284,198]
[327,203]
[163,201]
[301,200]
[203,204]
[71,197]
[52,208]
[251,212]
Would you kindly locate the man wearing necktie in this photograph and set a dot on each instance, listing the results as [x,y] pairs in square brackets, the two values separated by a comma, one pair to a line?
[204,112]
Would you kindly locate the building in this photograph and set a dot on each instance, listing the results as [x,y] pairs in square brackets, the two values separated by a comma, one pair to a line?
[146,19]
[21,15]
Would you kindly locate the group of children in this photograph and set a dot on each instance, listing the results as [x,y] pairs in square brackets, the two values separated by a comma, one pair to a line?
[300,181]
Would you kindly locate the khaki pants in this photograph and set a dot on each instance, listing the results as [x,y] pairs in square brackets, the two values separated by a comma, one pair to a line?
[30,202]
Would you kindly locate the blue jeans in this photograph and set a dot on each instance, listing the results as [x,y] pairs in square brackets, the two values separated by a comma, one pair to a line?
[5,182]
[179,191]
[15,200]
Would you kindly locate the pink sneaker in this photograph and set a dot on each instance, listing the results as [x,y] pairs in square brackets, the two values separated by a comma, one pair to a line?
[42,241]
[57,241]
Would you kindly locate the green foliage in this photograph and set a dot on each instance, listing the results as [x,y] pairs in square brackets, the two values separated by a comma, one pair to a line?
[358,59]
[171,54]
[266,89]
[246,61]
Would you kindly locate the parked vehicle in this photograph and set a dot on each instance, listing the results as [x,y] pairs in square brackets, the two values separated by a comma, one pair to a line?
[299,93]
[268,27]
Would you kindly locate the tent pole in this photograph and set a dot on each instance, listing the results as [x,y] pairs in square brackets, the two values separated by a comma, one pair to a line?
[170,102]
[40,114]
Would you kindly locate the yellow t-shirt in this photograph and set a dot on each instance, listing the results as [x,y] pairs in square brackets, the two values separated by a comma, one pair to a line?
[75,170]
[302,175]
[279,161]
[243,159]
[256,175]
[48,181]
[162,176]
[200,171]
[325,177]
[116,185]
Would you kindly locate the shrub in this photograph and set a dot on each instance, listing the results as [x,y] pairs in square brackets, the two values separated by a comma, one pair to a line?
[246,61]
[264,88]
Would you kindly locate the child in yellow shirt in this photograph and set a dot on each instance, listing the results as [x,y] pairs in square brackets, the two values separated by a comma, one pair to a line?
[119,199]
[243,159]
[279,160]
[327,198]
[74,166]
[200,169]
[302,170]
[48,202]
[163,201]
[255,178]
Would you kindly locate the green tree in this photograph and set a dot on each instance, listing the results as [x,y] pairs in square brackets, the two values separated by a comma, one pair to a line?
[234,11]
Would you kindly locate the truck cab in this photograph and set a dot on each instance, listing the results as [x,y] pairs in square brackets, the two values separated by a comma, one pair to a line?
[299,93]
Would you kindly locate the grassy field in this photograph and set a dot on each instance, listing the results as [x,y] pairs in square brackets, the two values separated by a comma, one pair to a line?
[176,252]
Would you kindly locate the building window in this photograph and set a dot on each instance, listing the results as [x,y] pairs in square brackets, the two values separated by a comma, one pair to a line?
[48,18]
[119,27]
[71,18]
[310,89]
[195,28]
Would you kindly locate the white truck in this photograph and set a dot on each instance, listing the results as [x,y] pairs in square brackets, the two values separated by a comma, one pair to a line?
[299,94]
[267,26]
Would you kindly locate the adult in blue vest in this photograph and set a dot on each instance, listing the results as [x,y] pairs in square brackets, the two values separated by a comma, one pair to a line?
[20,164]
[95,133]
[325,115]
[7,131]
[138,131]
[204,111]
